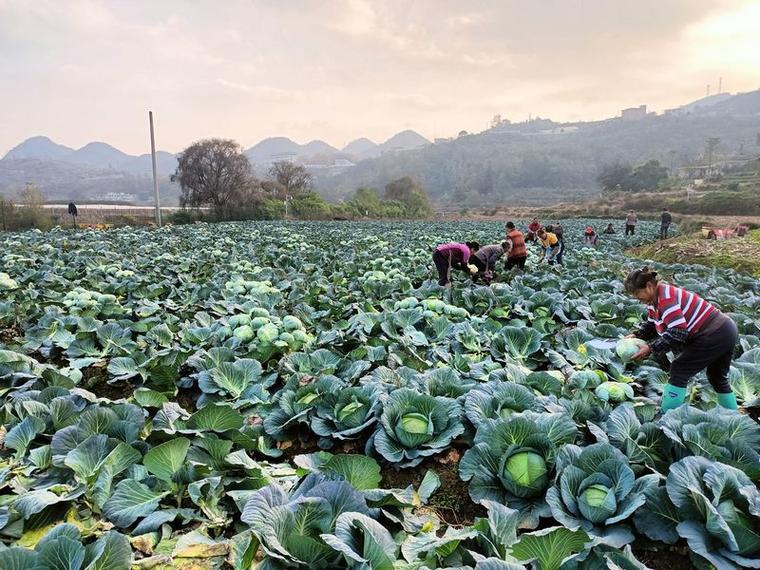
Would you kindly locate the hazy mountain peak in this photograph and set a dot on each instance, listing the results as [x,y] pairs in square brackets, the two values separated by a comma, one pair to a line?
[360,146]
[38,147]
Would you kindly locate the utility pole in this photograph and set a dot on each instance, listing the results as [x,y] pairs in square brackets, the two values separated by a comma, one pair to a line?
[155,175]
[711,145]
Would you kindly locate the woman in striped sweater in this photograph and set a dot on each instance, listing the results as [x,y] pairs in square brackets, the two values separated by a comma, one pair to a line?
[682,322]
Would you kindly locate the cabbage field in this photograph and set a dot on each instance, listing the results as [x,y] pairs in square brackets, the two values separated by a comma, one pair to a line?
[304,395]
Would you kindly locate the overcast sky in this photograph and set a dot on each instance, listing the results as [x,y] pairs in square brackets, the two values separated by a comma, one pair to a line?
[79,71]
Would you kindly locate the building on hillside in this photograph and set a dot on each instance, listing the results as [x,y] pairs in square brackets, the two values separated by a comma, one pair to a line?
[634,113]
[282,157]
[119,197]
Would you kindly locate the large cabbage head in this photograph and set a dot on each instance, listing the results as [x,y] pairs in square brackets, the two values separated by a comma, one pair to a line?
[512,461]
[414,426]
[346,414]
[596,489]
[626,348]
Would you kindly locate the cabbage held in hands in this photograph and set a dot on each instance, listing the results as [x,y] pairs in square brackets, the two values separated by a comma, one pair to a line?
[627,348]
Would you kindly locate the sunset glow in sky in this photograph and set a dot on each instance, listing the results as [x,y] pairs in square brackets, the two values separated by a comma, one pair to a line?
[85,70]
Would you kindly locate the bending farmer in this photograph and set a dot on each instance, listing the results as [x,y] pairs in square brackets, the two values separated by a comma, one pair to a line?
[551,247]
[486,257]
[452,255]
[683,322]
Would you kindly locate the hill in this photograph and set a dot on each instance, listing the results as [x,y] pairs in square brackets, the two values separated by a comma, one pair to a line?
[361,148]
[272,149]
[38,147]
[542,161]
[64,181]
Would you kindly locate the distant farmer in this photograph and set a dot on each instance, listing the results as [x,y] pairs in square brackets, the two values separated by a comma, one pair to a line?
[517,253]
[73,212]
[682,322]
[630,223]
[551,249]
[665,220]
[559,231]
[609,229]
[590,237]
[450,256]
[486,257]
[533,228]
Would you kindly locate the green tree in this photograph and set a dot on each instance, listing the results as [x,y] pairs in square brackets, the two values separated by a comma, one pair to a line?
[366,202]
[615,176]
[648,176]
[216,173]
[409,192]
[309,206]
[294,178]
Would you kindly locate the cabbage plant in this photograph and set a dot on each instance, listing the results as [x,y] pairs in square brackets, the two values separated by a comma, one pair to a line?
[714,506]
[596,490]
[414,426]
[346,414]
[719,434]
[512,461]
[291,527]
[296,406]
[496,400]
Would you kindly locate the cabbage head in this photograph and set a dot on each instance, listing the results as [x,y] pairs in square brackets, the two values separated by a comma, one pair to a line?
[498,400]
[295,407]
[6,283]
[614,392]
[626,348]
[596,491]
[345,414]
[243,333]
[512,461]
[414,426]
[268,333]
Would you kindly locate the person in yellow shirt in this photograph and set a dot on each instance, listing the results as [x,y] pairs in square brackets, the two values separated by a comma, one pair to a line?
[551,248]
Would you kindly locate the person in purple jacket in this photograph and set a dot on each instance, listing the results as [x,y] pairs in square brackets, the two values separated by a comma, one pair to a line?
[448,256]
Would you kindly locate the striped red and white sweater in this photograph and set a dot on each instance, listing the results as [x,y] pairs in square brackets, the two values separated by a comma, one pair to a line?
[678,315]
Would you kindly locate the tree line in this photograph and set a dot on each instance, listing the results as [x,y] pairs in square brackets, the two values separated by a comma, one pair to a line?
[216,174]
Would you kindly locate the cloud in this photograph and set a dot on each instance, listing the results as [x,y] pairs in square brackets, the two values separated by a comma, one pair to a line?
[341,69]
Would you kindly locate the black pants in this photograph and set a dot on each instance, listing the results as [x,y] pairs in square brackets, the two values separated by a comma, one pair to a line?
[441,262]
[664,231]
[515,262]
[630,229]
[712,351]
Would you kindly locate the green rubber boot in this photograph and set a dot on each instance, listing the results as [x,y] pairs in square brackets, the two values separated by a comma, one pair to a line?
[728,401]
[672,397]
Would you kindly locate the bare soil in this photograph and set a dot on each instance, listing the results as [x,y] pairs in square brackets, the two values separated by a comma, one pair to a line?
[451,501]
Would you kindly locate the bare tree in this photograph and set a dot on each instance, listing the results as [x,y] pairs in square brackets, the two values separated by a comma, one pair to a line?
[294,178]
[213,172]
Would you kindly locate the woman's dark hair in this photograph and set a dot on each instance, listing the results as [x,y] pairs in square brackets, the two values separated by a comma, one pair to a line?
[639,278]
[473,245]
[511,225]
